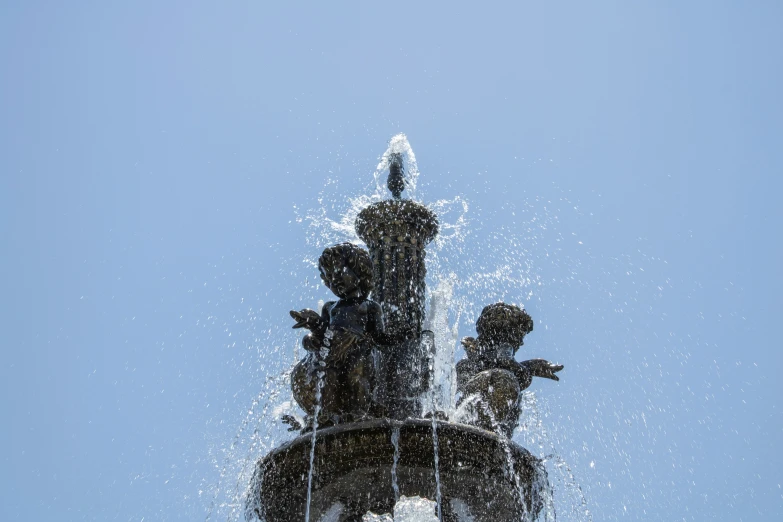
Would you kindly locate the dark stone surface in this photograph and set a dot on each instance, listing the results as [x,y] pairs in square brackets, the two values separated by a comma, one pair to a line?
[353,466]
[403,376]
[396,232]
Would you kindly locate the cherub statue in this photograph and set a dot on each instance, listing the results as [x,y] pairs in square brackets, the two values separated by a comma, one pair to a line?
[341,340]
[490,378]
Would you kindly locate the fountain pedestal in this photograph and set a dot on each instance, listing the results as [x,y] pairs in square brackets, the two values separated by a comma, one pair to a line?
[482,475]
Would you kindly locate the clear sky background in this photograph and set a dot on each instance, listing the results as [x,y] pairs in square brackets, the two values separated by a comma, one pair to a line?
[158,160]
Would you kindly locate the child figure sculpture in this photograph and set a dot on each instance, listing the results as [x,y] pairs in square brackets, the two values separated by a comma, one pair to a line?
[490,378]
[341,341]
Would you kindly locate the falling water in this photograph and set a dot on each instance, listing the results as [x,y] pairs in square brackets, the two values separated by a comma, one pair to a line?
[510,471]
[543,490]
[437,471]
[437,320]
[429,346]
[268,396]
[407,509]
[317,412]
[273,396]
[534,432]
[395,440]
[414,509]
[333,513]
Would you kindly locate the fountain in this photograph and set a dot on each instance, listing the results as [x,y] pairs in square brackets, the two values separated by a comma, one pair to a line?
[377,437]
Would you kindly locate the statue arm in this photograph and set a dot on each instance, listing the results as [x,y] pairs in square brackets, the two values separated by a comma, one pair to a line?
[375,325]
[377,330]
[375,319]
[326,317]
[524,376]
[541,368]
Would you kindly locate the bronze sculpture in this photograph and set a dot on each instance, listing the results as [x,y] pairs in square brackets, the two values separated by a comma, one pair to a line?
[365,387]
[491,376]
[341,340]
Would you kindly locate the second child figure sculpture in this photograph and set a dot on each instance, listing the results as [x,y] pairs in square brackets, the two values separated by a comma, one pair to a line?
[341,341]
[490,379]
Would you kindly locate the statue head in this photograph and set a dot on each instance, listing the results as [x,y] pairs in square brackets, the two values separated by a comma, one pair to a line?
[503,324]
[346,270]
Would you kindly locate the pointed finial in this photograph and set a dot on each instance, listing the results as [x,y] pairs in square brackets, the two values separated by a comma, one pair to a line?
[396,181]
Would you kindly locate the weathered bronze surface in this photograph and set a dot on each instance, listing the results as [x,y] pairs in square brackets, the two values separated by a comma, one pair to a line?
[490,377]
[341,341]
[353,467]
[396,181]
[366,373]
[396,233]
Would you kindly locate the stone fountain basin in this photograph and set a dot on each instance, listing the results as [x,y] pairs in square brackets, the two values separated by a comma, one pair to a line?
[353,467]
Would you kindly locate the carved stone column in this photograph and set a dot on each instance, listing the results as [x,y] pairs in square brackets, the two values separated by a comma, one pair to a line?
[396,232]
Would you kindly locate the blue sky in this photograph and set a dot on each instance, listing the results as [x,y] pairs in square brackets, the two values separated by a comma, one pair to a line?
[158,159]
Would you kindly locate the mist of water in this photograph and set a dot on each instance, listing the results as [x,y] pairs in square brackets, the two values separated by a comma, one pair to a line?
[533,434]
[444,377]
[407,509]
